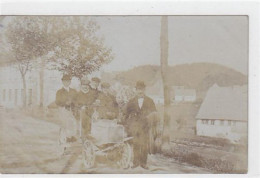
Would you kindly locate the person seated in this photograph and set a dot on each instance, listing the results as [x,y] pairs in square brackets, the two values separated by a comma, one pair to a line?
[108,107]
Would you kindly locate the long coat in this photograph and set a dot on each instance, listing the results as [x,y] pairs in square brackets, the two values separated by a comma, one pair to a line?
[137,126]
[136,120]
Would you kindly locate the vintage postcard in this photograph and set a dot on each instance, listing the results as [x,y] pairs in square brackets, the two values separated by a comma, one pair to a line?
[124,94]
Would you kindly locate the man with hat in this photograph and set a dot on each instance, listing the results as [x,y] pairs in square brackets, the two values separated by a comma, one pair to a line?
[108,107]
[94,87]
[136,123]
[84,101]
[65,97]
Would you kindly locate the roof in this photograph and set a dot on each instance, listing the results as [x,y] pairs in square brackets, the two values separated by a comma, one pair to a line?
[225,103]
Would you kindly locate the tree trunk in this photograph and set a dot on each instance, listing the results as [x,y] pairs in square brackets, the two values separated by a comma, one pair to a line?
[24,92]
[166,87]
[42,81]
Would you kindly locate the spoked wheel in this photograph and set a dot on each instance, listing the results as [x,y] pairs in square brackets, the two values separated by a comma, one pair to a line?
[126,156]
[88,154]
[62,141]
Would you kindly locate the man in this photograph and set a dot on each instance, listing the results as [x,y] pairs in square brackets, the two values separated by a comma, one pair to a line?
[65,99]
[95,82]
[136,123]
[84,101]
[108,108]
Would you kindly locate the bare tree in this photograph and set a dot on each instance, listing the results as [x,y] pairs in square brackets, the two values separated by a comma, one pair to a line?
[164,68]
[79,50]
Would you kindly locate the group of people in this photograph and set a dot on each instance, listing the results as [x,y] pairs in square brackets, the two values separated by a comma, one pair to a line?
[88,100]
[91,100]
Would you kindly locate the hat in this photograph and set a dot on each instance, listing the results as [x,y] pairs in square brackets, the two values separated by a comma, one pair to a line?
[96,79]
[140,85]
[84,81]
[66,77]
[105,85]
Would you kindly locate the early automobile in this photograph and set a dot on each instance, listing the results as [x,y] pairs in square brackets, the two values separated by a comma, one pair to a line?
[107,140]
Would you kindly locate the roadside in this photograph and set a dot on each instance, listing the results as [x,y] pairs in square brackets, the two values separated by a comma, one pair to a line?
[29,145]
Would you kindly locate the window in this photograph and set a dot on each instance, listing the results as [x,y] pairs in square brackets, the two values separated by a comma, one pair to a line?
[229,123]
[212,122]
[233,123]
[206,121]
[221,122]
[3,94]
[10,94]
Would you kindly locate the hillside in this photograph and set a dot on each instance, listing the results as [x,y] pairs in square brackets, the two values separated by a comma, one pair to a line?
[199,76]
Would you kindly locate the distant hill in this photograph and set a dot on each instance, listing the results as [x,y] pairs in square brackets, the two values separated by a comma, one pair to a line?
[199,76]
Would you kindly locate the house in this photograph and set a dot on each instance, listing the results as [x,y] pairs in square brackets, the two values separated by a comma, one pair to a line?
[181,94]
[156,92]
[224,113]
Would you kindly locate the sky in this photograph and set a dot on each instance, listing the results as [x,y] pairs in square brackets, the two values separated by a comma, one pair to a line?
[135,40]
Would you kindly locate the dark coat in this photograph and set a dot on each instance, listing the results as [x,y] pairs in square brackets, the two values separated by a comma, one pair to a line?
[94,92]
[137,126]
[136,121]
[108,108]
[66,98]
[85,99]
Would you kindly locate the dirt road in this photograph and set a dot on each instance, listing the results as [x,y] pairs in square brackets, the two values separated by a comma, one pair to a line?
[29,145]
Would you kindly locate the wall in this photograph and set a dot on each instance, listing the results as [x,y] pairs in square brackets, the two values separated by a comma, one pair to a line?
[11,81]
[11,86]
[232,130]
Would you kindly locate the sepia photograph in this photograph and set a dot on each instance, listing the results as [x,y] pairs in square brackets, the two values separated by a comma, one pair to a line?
[139,94]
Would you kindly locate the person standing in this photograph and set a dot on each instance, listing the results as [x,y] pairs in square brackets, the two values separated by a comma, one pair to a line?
[94,89]
[137,124]
[65,99]
[84,101]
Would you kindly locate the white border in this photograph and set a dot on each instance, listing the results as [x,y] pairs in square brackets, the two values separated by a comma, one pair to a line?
[174,7]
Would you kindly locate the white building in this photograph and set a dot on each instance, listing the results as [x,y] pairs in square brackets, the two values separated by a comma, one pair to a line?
[181,94]
[11,85]
[224,113]
[156,92]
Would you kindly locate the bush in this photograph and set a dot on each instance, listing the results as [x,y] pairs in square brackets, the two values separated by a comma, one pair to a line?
[183,154]
[194,159]
[218,165]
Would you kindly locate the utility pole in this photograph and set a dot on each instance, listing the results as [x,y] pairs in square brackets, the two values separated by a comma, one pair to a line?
[166,88]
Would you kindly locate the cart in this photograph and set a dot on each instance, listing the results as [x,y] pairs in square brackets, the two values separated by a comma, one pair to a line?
[107,139]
